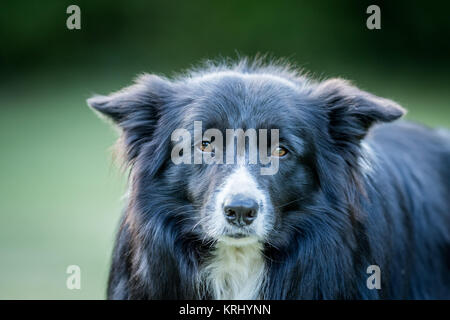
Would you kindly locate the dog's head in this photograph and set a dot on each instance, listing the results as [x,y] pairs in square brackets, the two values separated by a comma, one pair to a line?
[240,150]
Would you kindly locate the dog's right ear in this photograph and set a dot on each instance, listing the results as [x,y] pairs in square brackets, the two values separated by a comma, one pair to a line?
[134,104]
[135,110]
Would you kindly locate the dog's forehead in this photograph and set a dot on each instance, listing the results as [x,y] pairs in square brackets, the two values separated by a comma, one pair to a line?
[237,99]
[246,87]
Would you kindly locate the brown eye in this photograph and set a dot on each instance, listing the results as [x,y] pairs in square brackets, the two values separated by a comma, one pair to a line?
[205,146]
[279,152]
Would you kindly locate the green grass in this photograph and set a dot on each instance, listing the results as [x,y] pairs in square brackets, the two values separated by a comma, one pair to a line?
[60,196]
[60,193]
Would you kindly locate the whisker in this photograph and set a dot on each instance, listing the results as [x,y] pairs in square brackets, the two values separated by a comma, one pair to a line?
[288,203]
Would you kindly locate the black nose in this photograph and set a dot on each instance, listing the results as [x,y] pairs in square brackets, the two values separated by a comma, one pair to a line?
[240,210]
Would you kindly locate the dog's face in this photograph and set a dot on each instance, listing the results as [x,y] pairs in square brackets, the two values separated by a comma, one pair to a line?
[237,201]
[243,150]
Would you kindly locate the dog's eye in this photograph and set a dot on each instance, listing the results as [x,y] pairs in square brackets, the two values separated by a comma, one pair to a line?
[279,152]
[205,146]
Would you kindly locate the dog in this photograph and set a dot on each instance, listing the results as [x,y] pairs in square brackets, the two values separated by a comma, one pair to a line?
[351,189]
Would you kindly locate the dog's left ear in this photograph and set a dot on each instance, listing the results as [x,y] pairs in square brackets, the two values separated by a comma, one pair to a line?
[352,111]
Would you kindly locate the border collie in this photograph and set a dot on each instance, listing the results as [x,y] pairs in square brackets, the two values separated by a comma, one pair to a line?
[350,190]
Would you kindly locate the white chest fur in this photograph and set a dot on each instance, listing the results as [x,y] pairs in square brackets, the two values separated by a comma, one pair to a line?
[235,270]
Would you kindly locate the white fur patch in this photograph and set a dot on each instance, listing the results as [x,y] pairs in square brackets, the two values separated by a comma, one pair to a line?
[236,267]
[365,161]
[235,270]
[241,182]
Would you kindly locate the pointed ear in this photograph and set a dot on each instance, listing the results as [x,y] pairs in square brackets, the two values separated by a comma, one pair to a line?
[136,110]
[139,100]
[352,111]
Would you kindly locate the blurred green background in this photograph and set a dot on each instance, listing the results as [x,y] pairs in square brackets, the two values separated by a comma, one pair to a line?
[59,189]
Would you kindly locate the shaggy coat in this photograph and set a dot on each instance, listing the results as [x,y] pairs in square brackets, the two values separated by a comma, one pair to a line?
[356,190]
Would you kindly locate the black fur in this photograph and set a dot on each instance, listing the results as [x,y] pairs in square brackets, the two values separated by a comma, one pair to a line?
[355,191]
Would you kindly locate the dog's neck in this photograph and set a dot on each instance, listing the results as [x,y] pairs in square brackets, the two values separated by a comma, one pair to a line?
[235,270]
